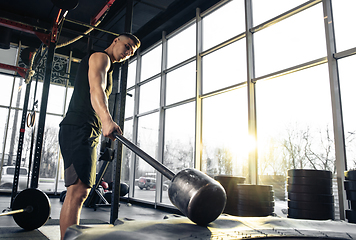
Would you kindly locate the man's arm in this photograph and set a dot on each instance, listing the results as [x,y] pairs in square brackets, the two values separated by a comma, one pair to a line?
[99,64]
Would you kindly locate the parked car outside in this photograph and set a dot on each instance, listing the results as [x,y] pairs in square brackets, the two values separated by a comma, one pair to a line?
[147,183]
[150,182]
[7,177]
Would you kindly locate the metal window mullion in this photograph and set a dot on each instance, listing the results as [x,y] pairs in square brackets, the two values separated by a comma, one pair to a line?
[134,158]
[252,124]
[198,93]
[338,127]
[162,116]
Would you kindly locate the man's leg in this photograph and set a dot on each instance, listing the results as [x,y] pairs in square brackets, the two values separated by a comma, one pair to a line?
[72,206]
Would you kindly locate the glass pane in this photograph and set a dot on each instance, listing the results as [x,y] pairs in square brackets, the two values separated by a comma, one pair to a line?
[147,141]
[223,24]
[8,56]
[11,150]
[343,12]
[151,63]
[181,46]
[69,95]
[294,122]
[265,10]
[131,75]
[181,83]
[50,156]
[127,154]
[224,67]
[5,90]
[225,132]
[179,142]
[129,107]
[56,99]
[295,40]
[19,93]
[149,95]
[347,75]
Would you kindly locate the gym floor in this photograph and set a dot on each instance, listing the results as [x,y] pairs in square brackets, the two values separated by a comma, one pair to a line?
[9,230]
[137,221]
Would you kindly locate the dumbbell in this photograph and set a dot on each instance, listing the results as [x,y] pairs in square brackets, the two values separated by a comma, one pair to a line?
[31,209]
[195,194]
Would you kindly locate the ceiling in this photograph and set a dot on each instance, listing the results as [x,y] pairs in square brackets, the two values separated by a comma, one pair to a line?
[150,18]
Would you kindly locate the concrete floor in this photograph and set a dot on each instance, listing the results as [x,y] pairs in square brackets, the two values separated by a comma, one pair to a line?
[136,221]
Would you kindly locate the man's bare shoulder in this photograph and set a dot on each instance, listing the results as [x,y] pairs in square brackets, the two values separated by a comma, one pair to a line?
[99,60]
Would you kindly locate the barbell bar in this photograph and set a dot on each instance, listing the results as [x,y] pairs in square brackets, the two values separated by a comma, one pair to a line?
[31,209]
[198,196]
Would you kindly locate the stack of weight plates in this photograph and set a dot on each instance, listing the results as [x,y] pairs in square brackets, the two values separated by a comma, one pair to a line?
[254,200]
[310,194]
[350,187]
[229,183]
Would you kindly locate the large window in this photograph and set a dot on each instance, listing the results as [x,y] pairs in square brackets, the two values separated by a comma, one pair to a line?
[295,40]
[225,149]
[224,67]
[295,122]
[348,85]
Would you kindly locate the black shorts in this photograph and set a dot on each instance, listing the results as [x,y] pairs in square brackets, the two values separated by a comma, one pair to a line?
[78,147]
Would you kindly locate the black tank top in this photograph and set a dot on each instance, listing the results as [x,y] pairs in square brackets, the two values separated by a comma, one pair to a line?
[80,110]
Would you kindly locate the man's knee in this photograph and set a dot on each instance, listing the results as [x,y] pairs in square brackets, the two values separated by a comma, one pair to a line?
[78,191]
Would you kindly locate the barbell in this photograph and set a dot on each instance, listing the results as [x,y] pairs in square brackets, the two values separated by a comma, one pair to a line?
[31,209]
[198,196]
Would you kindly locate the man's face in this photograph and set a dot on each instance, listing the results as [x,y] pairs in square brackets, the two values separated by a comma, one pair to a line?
[124,48]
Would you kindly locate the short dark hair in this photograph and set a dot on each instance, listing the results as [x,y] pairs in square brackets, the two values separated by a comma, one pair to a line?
[133,38]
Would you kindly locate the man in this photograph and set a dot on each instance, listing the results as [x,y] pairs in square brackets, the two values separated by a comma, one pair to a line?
[86,117]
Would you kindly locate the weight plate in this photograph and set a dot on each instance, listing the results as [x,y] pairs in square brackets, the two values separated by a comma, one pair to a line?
[255,203]
[246,188]
[267,196]
[350,175]
[62,195]
[315,206]
[309,181]
[40,206]
[244,213]
[309,173]
[309,214]
[66,4]
[309,189]
[311,197]
[353,205]
[229,179]
[350,185]
[351,216]
[351,195]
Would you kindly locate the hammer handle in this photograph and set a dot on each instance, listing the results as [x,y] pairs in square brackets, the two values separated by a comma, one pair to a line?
[150,160]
